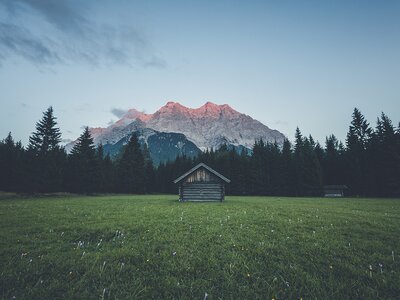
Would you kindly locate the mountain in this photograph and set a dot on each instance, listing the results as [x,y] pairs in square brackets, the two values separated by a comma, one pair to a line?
[211,125]
[175,129]
[162,146]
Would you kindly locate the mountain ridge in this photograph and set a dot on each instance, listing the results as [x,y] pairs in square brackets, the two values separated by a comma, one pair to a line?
[207,127]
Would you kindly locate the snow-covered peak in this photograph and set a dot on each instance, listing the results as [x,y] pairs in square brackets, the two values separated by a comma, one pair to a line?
[170,109]
[208,108]
[171,105]
[132,114]
[208,126]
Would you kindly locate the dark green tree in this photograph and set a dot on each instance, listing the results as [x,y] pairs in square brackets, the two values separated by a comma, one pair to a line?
[308,173]
[260,182]
[148,170]
[332,166]
[47,136]
[46,159]
[105,172]
[288,169]
[384,159]
[357,142]
[299,163]
[83,173]
[131,176]
[312,169]
[12,174]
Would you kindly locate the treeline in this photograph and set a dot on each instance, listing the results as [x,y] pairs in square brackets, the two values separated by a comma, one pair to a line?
[368,163]
[44,166]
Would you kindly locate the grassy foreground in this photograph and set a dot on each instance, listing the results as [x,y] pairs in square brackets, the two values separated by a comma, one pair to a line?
[133,247]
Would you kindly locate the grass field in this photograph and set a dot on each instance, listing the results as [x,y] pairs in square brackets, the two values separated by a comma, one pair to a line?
[155,247]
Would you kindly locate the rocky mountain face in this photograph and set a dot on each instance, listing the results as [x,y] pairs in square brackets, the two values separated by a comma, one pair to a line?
[211,125]
[175,129]
[162,146]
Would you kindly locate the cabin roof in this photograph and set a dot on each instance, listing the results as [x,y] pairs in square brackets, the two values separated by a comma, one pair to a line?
[205,167]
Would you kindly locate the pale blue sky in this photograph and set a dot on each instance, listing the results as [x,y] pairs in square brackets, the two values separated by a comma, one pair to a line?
[285,63]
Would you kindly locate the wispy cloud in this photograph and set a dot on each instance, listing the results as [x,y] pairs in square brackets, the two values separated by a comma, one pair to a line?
[20,41]
[119,113]
[49,31]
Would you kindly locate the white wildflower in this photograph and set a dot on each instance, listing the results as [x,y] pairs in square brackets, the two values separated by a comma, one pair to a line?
[381,267]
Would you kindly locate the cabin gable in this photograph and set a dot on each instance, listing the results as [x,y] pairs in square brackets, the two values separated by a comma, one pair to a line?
[201,184]
[201,175]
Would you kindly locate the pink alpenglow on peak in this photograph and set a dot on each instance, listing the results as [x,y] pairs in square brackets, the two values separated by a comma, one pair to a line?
[172,107]
[208,126]
[212,125]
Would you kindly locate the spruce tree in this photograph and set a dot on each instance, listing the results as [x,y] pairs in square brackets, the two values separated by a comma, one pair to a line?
[46,159]
[149,170]
[384,158]
[288,169]
[299,164]
[333,174]
[319,153]
[100,169]
[83,175]
[12,176]
[47,136]
[312,169]
[259,166]
[357,142]
[131,168]
[308,174]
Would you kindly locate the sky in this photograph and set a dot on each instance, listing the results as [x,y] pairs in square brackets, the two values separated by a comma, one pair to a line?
[284,63]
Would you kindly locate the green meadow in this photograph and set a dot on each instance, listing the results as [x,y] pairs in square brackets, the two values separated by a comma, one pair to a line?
[133,247]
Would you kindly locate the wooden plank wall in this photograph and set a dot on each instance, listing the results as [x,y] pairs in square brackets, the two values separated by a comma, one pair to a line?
[202,191]
[201,175]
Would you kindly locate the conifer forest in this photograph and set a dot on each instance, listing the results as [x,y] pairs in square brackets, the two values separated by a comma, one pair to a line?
[367,162]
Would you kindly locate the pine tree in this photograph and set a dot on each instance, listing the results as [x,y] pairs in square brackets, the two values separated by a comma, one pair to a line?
[288,172]
[359,132]
[357,141]
[298,144]
[259,166]
[384,159]
[11,165]
[83,171]
[319,153]
[100,169]
[308,173]
[131,168]
[46,159]
[299,163]
[312,169]
[333,174]
[47,136]
[149,170]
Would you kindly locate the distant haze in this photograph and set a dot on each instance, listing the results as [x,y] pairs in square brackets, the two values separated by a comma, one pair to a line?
[284,63]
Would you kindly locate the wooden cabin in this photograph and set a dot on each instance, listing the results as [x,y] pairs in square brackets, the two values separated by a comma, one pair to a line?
[201,183]
[334,190]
